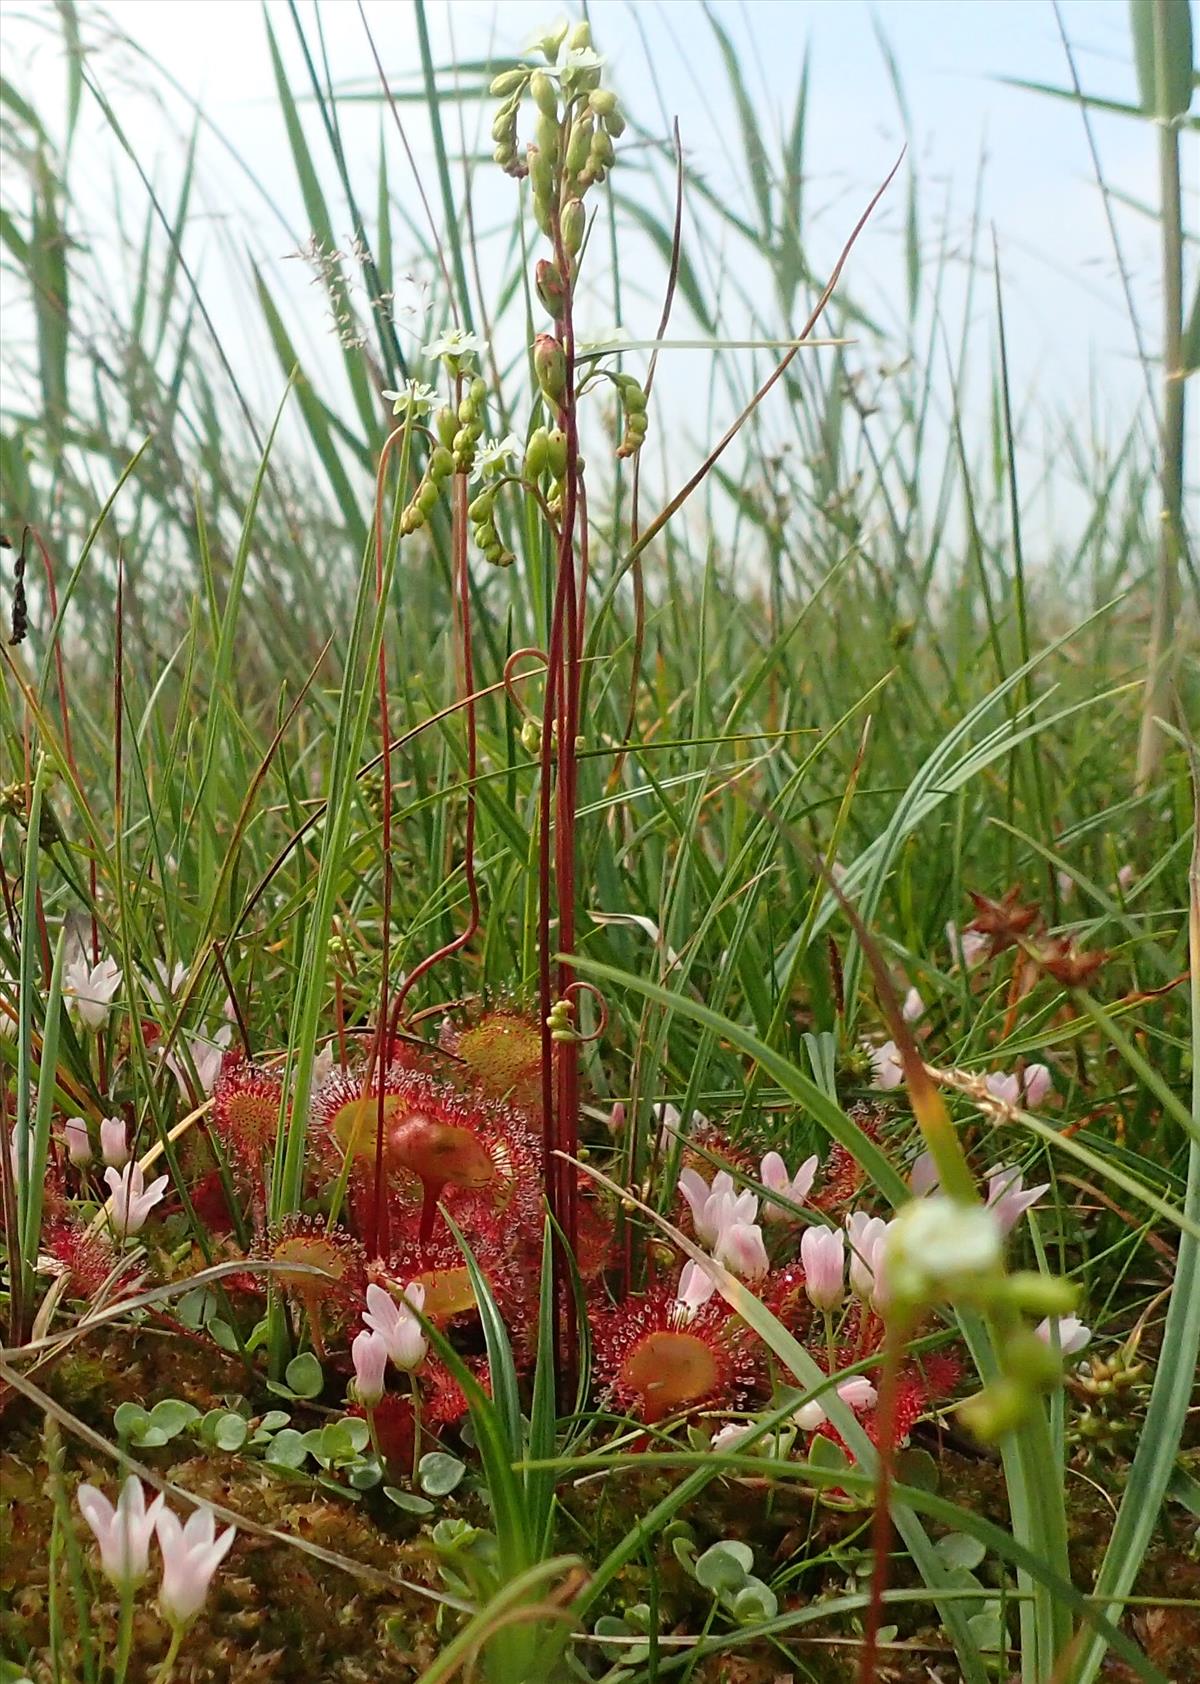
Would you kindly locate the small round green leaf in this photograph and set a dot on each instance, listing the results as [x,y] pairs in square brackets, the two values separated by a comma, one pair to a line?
[303,1375]
[440,1473]
[724,1566]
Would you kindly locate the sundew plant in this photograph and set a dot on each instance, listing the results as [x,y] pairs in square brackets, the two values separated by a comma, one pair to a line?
[600,1010]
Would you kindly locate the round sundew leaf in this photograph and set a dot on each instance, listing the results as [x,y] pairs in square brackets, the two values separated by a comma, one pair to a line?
[171,1415]
[130,1420]
[287,1449]
[958,1550]
[919,1469]
[724,1566]
[221,1334]
[273,1420]
[364,1476]
[151,1437]
[755,1602]
[440,1473]
[303,1374]
[409,1501]
[231,1432]
[356,1427]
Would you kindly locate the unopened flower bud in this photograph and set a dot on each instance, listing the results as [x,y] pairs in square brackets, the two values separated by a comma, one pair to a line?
[548,138]
[550,42]
[573,225]
[580,144]
[580,37]
[1000,1408]
[556,441]
[502,123]
[1030,1361]
[550,366]
[446,424]
[1040,1295]
[507,82]
[537,453]
[550,288]
[531,737]
[602,101]
[545,94]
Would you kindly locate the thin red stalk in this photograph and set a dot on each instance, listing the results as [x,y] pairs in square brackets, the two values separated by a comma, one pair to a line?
[881,1519]
[462,581]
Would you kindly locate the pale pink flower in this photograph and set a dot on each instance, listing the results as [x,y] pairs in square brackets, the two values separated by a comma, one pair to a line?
[114,1142]
[88,990]
[857,1391]
[866,1235]
[913,1007]
[132,1200]
[887,1070]
[78,1142]
[206,1056]
[1008,1198]
[924,1177]
[123,1533]
[741,1249]
[369,1353]
[696,1287]
[1066,886]
[972,944]
[823,1253]
[707,1204]
[191,1554]
[396,1325]
[1073,1336]
[1125,877]
[774,1176]
[1039,1084]
[731,1435]
[1005,1088]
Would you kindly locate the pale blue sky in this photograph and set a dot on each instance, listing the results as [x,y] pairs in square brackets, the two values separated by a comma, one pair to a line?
[1067,319]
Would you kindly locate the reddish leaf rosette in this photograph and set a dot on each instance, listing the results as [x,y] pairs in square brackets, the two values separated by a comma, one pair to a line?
[655,1360]
[245,1114]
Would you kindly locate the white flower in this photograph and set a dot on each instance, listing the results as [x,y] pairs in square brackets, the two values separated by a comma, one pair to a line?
[191,1555]
[973,944]
[1066,886]
[413,396]
[123,1533]
[937,1245]
[396,1325]
[1008,1198]
[114,1142]
[78,1143]
[774,1176]
[582,58]
[1125,878]
[823,1254]
[1073,1336]
[741,1249]
[165,984]
[857,1392]
[454,344]
[887,1070]
[731,1435]
[494,455]
[696,1287]
[132,1200]
[708,1203]
[206,1056]
[913,1007]
[924,1177]
[369,1353]
[866,1234]
[88,990]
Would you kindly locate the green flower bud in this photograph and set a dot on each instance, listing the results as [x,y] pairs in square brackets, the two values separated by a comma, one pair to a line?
[531,737]
[550,366]
[1031,1362]
[601,155]
[580,37]
[428,497]
[411,520]
[602,101]
[548,138]
[537,453]
[1040,1295]
[552,41]
[463,440]
[478,392]
[441,463]
[544,92]
[580,144]
[502,122]
[507,82]
[446,424]
[556,442]
[481,508]
[1000,1408]
[614,123]
[573,224]
[550,288]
